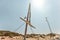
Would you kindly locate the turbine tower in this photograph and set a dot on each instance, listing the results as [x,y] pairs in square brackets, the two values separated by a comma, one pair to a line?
[27,21]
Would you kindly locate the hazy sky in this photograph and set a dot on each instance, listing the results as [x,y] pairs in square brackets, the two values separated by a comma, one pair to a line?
[11,10]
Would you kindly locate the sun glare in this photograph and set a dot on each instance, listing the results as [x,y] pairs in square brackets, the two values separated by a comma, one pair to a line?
[38,3]
[40,6]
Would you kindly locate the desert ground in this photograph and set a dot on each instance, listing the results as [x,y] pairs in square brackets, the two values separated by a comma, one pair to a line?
[33,37]
[7,35]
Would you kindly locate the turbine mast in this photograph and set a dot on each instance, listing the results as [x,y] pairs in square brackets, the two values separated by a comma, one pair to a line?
[27,21]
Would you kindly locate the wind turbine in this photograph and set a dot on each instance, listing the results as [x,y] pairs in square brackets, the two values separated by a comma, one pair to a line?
[27,21]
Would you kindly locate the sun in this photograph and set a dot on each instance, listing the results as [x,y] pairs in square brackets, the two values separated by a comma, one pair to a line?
[38,3]
[41,7]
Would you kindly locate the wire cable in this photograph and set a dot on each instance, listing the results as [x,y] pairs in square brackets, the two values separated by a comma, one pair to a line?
[19,27]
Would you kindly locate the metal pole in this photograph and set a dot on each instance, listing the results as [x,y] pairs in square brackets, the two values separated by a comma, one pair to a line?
[25,32]
[28,19]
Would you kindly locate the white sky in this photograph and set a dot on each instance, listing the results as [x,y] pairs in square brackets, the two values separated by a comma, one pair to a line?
[11,10]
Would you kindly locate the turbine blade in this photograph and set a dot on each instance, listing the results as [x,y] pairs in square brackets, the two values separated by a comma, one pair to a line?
[31,26]
[27,22]
[24,20]
[29,13]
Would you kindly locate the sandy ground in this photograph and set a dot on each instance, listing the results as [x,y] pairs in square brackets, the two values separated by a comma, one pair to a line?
[57,37]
